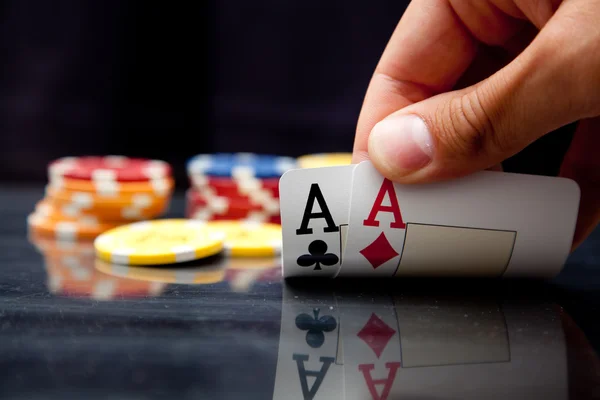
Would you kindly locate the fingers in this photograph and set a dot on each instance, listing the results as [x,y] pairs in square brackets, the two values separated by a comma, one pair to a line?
[582,164]
[460,132]
[428,35]
[432,46]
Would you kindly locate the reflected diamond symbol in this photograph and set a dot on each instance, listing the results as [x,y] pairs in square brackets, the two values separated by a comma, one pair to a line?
[376,334]
[379,252]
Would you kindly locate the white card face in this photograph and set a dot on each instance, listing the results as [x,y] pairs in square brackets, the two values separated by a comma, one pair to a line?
[488,224]
[371,346]
[314,210]
[308,363]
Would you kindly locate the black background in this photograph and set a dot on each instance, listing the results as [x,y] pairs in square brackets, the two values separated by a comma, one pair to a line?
[172,79]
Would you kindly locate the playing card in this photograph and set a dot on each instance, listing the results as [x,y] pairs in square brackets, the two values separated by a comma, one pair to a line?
[314,214]
[371,346]
[486,224]
[479,348]
[308,366]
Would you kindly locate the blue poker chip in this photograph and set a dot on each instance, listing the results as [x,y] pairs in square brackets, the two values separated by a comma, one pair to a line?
[239,165]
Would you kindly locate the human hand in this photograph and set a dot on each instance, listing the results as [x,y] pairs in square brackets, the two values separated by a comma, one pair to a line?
[464,84]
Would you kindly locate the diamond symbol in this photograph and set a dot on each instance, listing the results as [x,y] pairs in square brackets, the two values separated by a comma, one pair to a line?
[379,252]
[376,334]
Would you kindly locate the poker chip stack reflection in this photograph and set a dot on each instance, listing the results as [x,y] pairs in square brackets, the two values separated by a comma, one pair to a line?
[87,196]
[71,272]
[240,186]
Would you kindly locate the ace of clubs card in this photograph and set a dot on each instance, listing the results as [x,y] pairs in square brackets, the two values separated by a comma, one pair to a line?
[314,214]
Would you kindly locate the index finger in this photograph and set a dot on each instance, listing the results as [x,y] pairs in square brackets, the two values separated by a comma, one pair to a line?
[428,52]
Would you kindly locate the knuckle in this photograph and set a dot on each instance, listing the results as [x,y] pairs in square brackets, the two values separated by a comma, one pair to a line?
[467,129]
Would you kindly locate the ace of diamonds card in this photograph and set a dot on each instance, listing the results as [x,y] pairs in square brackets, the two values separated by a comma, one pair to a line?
[488,224]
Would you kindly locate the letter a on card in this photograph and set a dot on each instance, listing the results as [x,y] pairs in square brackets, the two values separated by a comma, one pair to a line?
[387,188]
[376,226]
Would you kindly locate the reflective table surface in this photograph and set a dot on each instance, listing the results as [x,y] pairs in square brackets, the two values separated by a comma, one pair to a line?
[232,329]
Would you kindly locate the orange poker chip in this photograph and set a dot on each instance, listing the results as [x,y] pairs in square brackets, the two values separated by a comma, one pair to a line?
[110,189]
[50,210]
[134,212]
[88,200]
[69,212]
[71,230]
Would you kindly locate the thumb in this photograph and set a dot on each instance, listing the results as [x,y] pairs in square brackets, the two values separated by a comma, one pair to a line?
[460,132]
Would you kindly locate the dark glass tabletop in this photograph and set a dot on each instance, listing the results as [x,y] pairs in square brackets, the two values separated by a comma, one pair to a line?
[232,329]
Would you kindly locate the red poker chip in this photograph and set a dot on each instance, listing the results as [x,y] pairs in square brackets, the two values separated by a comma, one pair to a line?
[229,187]
[109,168]
[207,214]
[222,204]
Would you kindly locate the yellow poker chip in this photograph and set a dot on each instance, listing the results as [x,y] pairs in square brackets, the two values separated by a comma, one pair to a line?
[201,275]
[156,242]
[324,160]
[249,238]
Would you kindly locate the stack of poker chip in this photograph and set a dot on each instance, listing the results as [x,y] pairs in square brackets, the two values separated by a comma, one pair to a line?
[90,195]
[184,251]
[172,241]
[71,272]
[240,186]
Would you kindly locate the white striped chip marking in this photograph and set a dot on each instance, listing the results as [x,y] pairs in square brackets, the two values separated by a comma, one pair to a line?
[66,230]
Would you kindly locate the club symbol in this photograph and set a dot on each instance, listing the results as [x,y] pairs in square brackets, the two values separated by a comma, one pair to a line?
[315,327]
[318,256]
